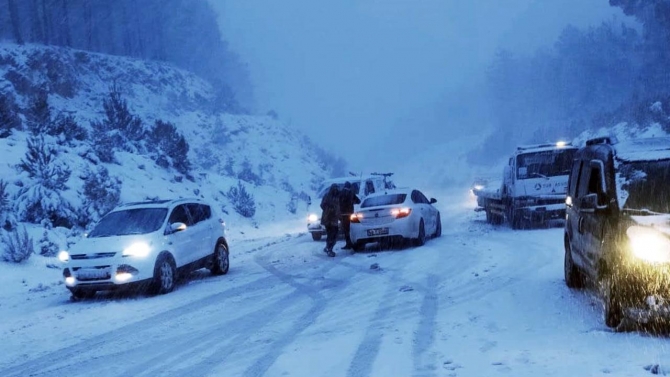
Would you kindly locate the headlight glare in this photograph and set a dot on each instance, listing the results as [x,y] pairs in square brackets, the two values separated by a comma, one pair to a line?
[139,249]
[312,218]
[64,256]
[649,244]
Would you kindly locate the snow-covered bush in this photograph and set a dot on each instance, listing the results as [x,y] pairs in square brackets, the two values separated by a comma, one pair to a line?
[38,114]
[67,129]
[42,200]
[168,147]
[101,194]
[242,201]
[48,247]
[6,218]
[292,205]
[18,246]
[118,130]
[9,118]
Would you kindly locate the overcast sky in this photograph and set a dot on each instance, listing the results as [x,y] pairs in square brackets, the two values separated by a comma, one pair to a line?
[377,80]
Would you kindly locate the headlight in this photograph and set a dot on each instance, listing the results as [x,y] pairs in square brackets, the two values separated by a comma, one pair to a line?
[64,256]
[478,187]
[649,244]
[139,249]
[312,218]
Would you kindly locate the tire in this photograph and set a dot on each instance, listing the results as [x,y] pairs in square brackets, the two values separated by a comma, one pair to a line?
[489,217]
[438,227]
[220,260]
[614,317]
[421,239]
[573,277]
[316,236]
[165,275]
[82,294]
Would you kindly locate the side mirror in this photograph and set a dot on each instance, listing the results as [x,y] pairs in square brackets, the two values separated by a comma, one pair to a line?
[433,200]
[177,227]
[589,203]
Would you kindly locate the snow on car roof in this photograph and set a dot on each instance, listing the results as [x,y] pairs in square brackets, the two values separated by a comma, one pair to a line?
[401,190]
[541,148]
[644,149]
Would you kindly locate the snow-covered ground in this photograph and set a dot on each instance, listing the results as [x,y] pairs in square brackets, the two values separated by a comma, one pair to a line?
[479,301]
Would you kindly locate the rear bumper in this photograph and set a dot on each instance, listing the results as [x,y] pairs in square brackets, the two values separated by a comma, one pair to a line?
[398,228]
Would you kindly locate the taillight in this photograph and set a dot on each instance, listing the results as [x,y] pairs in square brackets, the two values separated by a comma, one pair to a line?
[399,213]
[356,217]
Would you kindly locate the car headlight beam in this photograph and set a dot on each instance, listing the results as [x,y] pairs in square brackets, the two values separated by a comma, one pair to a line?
[312,218]
[64,256]
[648,244]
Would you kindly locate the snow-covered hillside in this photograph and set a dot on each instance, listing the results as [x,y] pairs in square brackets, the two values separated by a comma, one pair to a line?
[276,164]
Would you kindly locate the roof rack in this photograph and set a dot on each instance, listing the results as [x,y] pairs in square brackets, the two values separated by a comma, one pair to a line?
[545,145]
[602,140]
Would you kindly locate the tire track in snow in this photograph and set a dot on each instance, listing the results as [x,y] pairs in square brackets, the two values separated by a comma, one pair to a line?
[425,334]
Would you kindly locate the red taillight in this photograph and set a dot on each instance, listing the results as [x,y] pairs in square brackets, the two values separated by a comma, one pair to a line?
[399,213]
[356,217]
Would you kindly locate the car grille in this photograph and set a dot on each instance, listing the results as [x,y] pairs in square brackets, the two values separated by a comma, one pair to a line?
[92,256]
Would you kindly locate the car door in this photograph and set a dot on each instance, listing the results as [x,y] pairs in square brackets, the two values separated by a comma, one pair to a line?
[430,214]
[180,241]
[202,231]
[572,213]
[592,224]
[420,208]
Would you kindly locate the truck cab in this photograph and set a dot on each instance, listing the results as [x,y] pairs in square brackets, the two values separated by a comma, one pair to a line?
[533,187]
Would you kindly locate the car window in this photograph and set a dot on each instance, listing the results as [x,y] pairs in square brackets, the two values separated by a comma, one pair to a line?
[422,198]
[130,221]
[574,178]
[180,215]
[583,183]
[384,200]
[199,212]
[369,188]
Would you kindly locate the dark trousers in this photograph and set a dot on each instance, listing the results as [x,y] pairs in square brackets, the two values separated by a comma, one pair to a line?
[331,236]
[346,227]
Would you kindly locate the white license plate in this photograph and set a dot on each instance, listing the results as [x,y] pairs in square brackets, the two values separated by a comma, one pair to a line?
[93,273]
[378,231]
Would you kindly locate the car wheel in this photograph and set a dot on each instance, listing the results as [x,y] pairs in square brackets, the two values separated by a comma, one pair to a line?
[421,239]
[438,227]
[165,275]
[220,260]
[316,236]
[573,277]
[82,294]
[614,317]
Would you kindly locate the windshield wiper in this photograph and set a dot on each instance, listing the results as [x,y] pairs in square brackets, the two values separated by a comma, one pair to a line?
[539,175]
[642,212]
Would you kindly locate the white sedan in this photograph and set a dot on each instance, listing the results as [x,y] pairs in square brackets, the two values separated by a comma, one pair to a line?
[397,214]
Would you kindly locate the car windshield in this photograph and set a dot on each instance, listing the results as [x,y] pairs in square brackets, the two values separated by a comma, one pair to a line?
[545,164]
[130,221]
[384,200]
[647,185]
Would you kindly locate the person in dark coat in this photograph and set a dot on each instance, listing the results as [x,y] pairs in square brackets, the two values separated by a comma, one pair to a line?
[330,204]
[347,201]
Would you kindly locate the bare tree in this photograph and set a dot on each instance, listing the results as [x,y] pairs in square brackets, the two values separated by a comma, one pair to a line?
[16,22]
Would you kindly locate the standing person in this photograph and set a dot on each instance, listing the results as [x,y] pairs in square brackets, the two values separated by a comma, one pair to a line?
[330,204]
[347,201]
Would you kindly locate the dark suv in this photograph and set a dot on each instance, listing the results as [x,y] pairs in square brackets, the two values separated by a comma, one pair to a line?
[617,229]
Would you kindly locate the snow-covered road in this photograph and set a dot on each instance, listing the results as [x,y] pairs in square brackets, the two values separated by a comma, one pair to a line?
[479,301]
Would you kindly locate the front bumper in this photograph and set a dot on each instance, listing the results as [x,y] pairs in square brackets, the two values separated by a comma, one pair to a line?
[107,273]
[542,213]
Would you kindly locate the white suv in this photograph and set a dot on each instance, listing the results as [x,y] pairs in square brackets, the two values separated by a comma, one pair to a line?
[146,244]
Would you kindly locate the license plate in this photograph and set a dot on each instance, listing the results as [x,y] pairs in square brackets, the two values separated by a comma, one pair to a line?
[378,231]
[93,273]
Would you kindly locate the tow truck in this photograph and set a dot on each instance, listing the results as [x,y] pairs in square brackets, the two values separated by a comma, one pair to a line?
[533,187]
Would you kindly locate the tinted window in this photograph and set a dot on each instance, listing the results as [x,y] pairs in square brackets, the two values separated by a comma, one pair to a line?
[199,212]
[647,185]
[583,184]
[422,197]
[574,178]
[131,221]
[179,215]
[385,200]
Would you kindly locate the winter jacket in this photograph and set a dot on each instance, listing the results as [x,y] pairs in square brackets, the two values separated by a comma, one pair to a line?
[347,201]
[330,204]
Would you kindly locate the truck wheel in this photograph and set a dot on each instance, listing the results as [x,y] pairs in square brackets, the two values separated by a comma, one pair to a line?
[316,236]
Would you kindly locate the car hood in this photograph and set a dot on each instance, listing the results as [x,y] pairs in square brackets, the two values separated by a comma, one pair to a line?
[658,222]
[115,244]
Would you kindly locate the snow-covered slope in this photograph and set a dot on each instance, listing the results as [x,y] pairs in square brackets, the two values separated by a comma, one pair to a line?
[286,164]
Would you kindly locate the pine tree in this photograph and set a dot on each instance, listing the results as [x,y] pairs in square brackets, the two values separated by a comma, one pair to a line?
[9,118]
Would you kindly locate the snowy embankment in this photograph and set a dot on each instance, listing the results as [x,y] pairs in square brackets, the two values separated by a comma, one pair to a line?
[479,301]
